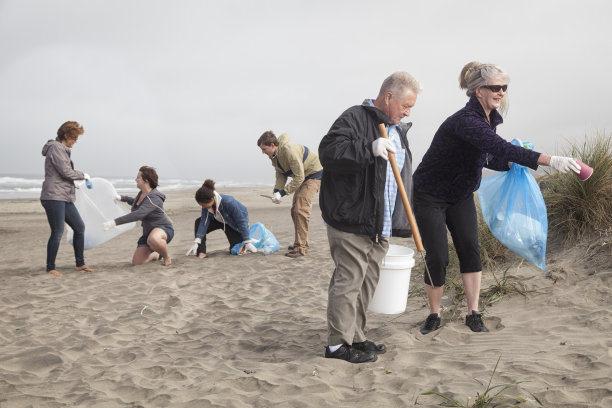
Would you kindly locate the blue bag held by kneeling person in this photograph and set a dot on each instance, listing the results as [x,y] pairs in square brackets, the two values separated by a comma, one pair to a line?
[513,208]
[261,238]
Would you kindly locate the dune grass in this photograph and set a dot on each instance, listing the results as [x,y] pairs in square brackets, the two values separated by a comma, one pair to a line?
[491,395]
[577,207]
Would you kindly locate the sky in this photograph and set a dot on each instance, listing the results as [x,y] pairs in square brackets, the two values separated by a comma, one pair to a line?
[189,86]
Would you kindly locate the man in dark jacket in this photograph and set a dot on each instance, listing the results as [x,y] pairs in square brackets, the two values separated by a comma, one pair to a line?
[362,208]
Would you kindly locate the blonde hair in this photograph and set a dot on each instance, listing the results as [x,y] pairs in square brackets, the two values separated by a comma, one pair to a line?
[475,75]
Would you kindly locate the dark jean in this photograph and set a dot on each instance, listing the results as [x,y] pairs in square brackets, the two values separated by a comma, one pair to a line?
[233,236]
[59,212]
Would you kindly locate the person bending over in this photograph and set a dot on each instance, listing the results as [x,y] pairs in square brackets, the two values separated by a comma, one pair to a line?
[219,211]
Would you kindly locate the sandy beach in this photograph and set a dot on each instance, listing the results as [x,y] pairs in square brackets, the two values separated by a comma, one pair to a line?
[250,331]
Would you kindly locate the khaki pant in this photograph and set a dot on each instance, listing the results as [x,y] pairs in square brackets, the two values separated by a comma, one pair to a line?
[300,213]
[358,261]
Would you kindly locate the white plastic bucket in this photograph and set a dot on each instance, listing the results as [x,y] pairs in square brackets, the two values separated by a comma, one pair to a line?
[391,292]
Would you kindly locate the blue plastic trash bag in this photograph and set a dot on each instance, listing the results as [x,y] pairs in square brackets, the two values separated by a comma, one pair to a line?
[266,242]
[513,208]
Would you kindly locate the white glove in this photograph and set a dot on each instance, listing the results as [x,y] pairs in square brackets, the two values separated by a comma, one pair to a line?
[86,176]
[194,248]
[250,247]
[381,147]
[276,198]
[564,164]
[118,198]
[108,225]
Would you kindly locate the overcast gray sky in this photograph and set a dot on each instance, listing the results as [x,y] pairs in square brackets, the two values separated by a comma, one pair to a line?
[189,86]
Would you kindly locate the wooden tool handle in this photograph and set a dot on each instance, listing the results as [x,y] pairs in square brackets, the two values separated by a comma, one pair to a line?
[400,186]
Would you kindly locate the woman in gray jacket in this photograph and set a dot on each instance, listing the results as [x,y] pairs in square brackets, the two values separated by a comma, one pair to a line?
[57,195]
[148,207]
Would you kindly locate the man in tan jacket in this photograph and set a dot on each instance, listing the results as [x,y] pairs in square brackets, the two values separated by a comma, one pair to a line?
[303,166]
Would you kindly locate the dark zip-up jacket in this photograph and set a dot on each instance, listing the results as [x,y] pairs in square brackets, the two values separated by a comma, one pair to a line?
[353,181]
[451,168]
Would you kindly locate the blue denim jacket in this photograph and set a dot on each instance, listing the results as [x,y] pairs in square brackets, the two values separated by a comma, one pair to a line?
[234,214]
[451,168]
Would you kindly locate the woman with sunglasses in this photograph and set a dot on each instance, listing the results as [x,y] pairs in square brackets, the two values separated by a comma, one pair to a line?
[450,172]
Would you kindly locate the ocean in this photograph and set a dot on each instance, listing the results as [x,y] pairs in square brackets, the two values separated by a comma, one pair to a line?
[12,187]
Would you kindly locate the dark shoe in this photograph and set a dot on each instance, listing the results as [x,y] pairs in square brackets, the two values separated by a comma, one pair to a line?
[370,346]
[294,254]
[431,323]
[474,322]
[351,355]
[290,248]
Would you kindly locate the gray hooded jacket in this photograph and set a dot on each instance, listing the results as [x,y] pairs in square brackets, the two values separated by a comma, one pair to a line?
[59,173]
[150,211]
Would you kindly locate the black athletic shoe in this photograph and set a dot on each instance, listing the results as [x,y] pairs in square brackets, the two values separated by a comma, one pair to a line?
[474,322]
[351,355]
[431,323]
[370,346]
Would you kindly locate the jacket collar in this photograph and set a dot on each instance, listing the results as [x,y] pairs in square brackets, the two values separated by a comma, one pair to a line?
[377,113]
[474,105]
[217,202]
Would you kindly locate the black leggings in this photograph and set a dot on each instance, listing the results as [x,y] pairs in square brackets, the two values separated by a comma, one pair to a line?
[433,216]
[232,235]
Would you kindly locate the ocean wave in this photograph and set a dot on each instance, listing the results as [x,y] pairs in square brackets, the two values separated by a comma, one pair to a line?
[30,187]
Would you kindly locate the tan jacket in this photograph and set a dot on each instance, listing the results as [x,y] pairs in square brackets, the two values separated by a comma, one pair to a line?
[288,163]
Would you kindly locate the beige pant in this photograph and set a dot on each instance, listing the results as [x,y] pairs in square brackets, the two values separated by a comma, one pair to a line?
[300,213]
[358,261]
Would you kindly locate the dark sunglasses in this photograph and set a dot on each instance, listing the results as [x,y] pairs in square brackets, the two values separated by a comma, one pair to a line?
[496,88]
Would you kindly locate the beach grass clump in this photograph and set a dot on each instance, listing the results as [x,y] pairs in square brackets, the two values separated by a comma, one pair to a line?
[492,395]
[576,207]
[504,285]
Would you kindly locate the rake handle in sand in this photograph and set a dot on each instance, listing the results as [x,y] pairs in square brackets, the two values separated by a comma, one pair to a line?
[400,186]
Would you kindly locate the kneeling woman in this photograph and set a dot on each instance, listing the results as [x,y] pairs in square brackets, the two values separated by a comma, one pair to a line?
[148,207]
[219,211]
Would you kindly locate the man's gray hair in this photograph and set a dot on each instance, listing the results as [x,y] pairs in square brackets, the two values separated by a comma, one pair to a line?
[398,83]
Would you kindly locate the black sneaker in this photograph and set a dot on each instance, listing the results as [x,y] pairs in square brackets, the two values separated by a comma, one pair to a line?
[351,355]
[474,322]
[431,323]
[370,346]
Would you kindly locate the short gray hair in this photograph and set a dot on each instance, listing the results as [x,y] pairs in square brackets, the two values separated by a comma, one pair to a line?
[398,83]
[475,75]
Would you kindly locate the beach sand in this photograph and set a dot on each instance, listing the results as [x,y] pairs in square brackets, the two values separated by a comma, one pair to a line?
[250,331]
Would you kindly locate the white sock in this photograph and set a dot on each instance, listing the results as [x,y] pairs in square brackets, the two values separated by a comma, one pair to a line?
[334,348]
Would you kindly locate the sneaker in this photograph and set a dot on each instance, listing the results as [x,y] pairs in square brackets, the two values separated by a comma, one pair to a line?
[294,254]
[474,322]
[350,354]
[431,323]
[370,346]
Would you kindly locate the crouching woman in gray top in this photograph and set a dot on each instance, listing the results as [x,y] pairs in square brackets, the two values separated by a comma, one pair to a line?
[148,207]
[57,195]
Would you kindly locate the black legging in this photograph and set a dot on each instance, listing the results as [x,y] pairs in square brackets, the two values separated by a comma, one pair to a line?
[232,235]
